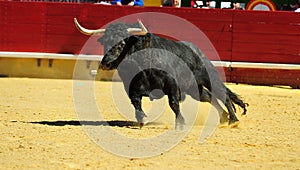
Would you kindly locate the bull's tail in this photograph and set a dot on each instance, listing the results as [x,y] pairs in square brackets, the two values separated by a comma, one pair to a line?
[236,99]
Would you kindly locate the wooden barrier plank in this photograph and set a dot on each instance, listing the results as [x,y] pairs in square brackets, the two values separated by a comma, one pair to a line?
[24,46]
[63,29]
[275,48]
[88,45]
[251,37]
[193,14]
[254,52]
[266,77]
[26,38]
[23,29]
[265,57]
[277,17]
[64,9]
[267,28]
[18,12]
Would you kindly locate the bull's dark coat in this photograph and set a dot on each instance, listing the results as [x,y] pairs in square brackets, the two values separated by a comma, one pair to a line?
[114,33]
[150,62]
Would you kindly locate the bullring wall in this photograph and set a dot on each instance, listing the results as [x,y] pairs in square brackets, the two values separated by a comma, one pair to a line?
[238,36]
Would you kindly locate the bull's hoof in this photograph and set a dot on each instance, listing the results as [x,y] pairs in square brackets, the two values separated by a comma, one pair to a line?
[179,126]
[141,125]
[224,118]
[143,122]
[234,124]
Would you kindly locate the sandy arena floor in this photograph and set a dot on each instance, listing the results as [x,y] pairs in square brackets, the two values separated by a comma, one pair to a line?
[39,129]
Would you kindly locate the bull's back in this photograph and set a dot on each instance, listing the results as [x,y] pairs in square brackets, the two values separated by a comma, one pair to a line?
[177,49]
[203,70]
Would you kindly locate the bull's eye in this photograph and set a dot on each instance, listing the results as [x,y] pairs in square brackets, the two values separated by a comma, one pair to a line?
[120,48]
[123,43]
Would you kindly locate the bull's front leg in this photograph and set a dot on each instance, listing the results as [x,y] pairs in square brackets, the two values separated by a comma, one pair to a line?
[139,113]
[174,104]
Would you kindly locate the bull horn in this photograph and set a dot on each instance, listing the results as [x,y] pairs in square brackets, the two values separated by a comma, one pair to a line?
[138,31]
[87,31]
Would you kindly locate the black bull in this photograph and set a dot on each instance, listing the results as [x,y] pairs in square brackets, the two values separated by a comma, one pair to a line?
[153,66]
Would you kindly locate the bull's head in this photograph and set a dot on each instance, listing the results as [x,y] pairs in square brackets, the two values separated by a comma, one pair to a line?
[114,33]
[128,46]
[114,56]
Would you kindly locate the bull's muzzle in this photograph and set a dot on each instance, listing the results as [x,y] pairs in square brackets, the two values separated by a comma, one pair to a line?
[105,66]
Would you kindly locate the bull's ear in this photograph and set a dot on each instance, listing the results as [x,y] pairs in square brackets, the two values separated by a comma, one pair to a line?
[132,39]
[148,37]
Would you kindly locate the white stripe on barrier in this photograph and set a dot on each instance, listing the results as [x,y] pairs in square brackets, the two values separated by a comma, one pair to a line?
[265,65]
[8,54]
[229,64]
[226,64]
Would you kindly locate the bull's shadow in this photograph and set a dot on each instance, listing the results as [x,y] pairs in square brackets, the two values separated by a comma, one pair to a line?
[119,123]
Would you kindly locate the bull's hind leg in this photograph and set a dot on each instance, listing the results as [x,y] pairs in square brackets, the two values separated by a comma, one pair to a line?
[174,104]
[205,96]
[139,113]
[232,117]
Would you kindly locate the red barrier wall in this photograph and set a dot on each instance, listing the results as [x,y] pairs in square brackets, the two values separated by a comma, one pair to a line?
[266,37]
[248,36]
